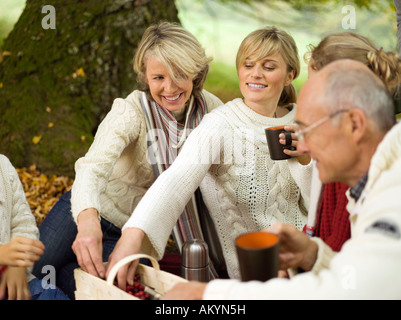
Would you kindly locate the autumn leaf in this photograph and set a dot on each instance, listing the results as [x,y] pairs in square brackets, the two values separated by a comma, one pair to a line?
[1,85]
[50,125]
[36,139]
[79,73]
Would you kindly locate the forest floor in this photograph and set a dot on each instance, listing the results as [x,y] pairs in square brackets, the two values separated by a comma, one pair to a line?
[42,191]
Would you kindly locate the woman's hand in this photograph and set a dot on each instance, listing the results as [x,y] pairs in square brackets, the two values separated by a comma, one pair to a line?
[21,252]
[129,243]
[88,246]
[14,284]
[302,158]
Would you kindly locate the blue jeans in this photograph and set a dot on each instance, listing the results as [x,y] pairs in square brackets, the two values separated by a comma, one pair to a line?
[40,292]
[58,232]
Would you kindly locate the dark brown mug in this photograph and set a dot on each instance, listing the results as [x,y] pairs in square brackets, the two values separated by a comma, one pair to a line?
[258,255]
[276,149]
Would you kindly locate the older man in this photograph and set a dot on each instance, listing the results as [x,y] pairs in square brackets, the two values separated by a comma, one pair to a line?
[346,123]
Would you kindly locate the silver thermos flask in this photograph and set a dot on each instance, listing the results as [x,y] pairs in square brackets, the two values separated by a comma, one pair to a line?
[195,260]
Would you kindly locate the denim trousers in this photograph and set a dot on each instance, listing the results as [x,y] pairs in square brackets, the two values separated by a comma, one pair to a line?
[40,291]
[58,232]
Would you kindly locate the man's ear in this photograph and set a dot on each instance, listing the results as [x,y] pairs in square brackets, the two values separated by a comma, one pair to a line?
[358,123]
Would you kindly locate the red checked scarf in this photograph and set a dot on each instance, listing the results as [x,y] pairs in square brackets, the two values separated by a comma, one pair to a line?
[168,135]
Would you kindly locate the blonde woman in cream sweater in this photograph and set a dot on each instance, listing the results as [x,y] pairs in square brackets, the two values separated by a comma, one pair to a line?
[227,156]
[115,173]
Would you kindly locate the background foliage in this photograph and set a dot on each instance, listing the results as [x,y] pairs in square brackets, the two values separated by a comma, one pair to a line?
[221,25]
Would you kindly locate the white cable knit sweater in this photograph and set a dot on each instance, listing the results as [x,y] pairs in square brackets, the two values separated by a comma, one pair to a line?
[16,218]
[244,190]
[115,172]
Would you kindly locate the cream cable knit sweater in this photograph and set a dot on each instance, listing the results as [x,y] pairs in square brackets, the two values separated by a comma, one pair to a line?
[244,190]
[16,218]
[115,173]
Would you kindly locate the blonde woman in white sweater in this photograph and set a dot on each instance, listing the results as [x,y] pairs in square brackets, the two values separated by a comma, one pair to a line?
[227,155]
[115,173]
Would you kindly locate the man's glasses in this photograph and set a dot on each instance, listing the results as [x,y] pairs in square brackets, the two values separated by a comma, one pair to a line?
[300,133]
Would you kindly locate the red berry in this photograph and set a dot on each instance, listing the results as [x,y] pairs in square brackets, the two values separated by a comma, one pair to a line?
[137,289]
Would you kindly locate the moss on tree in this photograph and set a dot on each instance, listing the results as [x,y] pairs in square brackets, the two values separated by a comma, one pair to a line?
[58,84]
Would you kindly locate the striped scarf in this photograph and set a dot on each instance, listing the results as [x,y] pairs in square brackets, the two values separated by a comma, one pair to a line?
[165,135]
[170,133]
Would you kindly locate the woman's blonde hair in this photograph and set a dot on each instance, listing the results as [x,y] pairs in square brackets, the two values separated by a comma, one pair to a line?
[268,41]
[349,45]
[177,49]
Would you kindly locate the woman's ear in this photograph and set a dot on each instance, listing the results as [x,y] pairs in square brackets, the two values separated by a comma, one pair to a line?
[290,78]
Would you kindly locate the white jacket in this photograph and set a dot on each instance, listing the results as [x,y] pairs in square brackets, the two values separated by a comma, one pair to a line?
[16,218]
[368,265]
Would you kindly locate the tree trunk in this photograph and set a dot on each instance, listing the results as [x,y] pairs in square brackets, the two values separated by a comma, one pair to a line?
[60,72]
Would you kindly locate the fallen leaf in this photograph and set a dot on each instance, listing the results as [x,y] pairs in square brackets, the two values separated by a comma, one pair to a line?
[79,73]
[50,125]
[1,85]
[36,139]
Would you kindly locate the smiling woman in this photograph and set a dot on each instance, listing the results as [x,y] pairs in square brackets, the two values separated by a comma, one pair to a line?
[267,64]
[180,55]
[263,81]
[164,90]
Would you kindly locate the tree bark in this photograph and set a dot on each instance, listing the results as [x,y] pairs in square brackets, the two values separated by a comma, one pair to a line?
[56,85]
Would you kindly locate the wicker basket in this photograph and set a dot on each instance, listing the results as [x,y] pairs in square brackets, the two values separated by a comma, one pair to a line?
[89,287]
